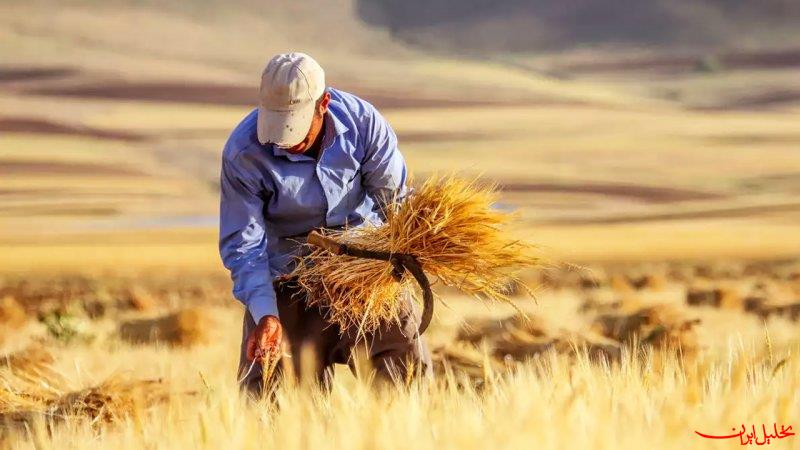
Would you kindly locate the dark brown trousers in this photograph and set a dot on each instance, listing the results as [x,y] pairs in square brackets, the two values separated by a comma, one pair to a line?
[316,344]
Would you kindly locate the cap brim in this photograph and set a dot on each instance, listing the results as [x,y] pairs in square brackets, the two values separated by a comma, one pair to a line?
[284,128]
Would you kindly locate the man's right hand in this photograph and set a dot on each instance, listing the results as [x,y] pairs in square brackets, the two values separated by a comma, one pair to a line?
[265,340]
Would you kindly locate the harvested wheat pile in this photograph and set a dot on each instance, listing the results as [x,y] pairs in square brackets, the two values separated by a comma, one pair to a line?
[519,347]
[466,362]
[790,311]
[12,316]
[140,299]
[724,297]
[661,326]
[34,356]
[40,391]
[652,281]
[448,224]
[475,330]
[518,337]
[186,327]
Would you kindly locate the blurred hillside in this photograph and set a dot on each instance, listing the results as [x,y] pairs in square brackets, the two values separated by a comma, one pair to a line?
[486,26]
[619,143]
[209,39]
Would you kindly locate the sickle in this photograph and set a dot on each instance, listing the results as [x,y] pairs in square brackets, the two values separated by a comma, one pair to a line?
[400,261]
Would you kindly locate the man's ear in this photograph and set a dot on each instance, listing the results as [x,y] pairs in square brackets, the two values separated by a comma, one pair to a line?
[323,102]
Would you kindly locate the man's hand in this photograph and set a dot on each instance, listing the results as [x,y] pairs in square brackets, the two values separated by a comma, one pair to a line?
[265,340]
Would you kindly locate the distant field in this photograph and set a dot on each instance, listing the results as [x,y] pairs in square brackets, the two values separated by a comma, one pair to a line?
[718,183]
[605,155]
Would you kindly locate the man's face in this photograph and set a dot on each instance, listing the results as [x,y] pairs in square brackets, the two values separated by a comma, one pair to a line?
[315,129]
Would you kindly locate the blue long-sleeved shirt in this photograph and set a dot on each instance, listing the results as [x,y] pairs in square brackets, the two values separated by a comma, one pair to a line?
[269,197]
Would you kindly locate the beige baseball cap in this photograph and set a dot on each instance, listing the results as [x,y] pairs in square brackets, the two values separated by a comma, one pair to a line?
[291,84]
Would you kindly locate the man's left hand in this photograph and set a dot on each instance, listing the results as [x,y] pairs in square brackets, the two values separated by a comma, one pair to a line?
[265,340]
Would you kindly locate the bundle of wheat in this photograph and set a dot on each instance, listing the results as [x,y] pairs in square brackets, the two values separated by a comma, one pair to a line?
[452,228]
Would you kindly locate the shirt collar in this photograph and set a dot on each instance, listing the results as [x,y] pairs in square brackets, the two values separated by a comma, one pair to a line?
[339,128]
[333,127]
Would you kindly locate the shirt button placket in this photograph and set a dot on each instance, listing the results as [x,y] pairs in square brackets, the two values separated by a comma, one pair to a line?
[325,191]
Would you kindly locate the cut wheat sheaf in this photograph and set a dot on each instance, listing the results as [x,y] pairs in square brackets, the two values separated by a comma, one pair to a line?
[31,388]
[453,228]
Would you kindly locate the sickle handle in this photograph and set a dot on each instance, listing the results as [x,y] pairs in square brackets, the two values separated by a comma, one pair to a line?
[315,238]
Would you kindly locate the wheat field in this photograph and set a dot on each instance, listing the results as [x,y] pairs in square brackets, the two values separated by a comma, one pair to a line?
[552,402]
[564,380]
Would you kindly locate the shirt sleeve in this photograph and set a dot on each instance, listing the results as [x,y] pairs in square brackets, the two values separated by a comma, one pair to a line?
[243,242]
[384,168]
